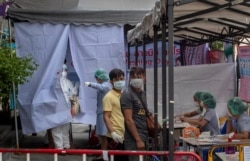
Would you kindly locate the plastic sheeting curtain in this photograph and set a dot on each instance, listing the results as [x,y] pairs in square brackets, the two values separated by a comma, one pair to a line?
[42,104]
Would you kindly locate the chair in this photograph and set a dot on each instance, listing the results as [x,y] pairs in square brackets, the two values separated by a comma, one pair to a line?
[223,129]
[223,125]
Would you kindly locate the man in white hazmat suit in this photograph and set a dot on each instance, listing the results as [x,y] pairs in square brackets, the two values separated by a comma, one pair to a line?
[60,134]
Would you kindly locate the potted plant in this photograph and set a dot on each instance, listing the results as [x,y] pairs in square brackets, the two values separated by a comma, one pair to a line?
[216,54]
[13,71]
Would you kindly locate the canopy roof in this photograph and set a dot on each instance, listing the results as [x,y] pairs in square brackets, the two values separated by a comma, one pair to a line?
[81,11]
[199,21]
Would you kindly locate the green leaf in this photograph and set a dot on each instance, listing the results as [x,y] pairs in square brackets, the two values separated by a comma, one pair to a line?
[217,45]
[13,69]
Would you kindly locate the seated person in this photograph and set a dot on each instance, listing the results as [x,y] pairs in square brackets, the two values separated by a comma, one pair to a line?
[199,111]
[237,109]
[209,122]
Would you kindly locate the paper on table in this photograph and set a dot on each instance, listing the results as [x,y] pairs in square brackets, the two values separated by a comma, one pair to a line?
[205,134]
[181,124]
[204,140]
[246,152]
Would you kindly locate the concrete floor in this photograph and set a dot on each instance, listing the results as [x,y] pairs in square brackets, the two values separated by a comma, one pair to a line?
[8,140]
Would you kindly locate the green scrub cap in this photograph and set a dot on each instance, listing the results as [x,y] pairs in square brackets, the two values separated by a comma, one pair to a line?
[198,94]
[236,106]
[101,74]
[208,100]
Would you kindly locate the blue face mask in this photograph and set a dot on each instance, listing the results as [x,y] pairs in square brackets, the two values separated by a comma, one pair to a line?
[119,85]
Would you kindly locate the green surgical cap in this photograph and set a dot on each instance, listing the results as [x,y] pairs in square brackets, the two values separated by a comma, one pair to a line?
[236,106]
[208,100]
[198,95]
[101,74]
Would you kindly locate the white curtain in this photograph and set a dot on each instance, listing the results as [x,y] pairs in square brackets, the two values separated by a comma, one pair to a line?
[218,79]
[41,101]
[94,47]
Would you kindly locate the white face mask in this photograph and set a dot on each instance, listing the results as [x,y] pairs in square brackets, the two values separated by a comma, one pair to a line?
[119,85]
[64,74]
[196,104]
[203,111]
[136,83]
[202,104]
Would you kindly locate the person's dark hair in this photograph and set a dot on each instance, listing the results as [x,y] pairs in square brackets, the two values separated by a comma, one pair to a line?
[136,71]
[115,73]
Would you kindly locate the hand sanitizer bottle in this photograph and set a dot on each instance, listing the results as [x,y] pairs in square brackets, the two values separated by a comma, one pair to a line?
[230,149]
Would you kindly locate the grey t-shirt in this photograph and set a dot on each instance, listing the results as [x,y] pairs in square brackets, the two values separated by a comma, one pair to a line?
[201,111]
[243,124]
[129,99]
[212,124]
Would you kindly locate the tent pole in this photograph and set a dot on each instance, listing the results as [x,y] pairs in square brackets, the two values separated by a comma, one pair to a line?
[14,89]
[164,85]
[182,54]
[170,9]
[235,58]
[128,57]
[144,58]
[136,53]
[128,60]
[155,86]
[15,115]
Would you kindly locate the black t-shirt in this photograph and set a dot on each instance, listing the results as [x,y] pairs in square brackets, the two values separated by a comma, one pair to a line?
[129,99]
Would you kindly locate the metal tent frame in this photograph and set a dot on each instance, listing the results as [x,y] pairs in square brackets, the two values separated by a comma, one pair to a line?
[198,22]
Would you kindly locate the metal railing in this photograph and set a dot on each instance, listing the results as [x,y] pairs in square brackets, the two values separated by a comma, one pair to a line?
[85,152]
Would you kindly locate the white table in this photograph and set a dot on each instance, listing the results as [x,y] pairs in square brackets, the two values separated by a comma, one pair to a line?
[228,157]
[200,146]
[213,145]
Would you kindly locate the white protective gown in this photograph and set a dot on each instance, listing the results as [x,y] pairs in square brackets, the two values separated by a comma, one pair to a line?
[60,134]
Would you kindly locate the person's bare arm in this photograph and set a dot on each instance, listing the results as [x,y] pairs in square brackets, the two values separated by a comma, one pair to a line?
[132,128]
[242,135]
[197,122]
[107,116]
[188,114]
[230,126]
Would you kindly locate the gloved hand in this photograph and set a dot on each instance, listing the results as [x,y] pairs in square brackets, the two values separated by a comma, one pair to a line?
[86,84]
[116,137]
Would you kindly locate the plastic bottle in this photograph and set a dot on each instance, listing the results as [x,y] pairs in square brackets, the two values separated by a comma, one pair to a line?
[230,149]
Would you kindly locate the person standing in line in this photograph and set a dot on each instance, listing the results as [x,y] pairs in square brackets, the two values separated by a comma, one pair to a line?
[60,134]
[237,109]
[112,112]
[133,104]
[102,86]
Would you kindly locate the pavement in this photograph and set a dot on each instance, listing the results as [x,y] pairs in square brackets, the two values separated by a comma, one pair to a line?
[80,134]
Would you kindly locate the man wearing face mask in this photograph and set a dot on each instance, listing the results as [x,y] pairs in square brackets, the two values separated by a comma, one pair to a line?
[113,117]
[60,134]
[133,104]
